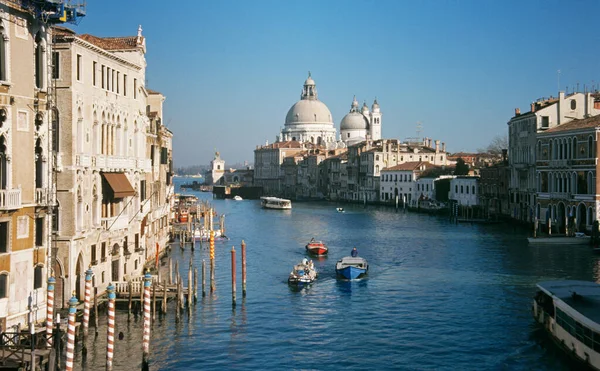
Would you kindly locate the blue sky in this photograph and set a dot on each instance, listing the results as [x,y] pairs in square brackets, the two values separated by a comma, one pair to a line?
[231,69]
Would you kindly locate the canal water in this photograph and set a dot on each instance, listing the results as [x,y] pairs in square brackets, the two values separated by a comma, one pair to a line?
[438,296]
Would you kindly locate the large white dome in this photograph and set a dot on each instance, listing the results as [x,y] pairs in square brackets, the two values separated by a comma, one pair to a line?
[308,111]
[354,121]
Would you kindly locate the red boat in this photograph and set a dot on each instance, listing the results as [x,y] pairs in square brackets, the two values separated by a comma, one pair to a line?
[316,247]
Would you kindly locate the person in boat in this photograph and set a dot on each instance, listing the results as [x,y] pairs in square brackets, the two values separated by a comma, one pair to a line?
[354,253]
[305,261]
[312,240]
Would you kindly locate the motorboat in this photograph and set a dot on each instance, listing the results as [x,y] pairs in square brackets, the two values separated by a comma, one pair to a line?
[340,209]
[237,198]
[204,235]
[570,312]
[276,203]
[351,267]
[316,247]
[303,273]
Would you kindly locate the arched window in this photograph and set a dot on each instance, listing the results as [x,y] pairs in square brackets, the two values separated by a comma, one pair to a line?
[574,148]
[3,164]
[377,169]
[39,165]
[39,61]
[473,189]
[55,130]
[590,147]
[37,277]
[3,285]
[573,104]
[3,53]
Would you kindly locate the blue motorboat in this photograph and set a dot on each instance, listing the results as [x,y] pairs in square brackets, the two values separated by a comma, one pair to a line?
[351,267]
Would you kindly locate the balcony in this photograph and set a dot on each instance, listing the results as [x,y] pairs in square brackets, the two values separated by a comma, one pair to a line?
[10,199]
[144,164]
[559,163]
[83,160]
[41,196]
[115,223]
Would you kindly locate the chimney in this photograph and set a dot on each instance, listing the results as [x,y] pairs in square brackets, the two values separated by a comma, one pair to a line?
[443,147]
[561,101]
[517,111]
[532,107]
[437,146]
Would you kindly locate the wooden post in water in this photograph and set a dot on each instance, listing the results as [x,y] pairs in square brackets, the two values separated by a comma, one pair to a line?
[110,332]
[141,296]
[50,311]
[177,307]
[243,269]
[130,286]
[86,307]
[146,334]
[96,311]
[233,289]
[71,333]
[164,300]
[177,272]
[535,227]
[195,285]
[212,260]
[154,301]
[203,278]
[396,203]
[170,271]
[550,225]
[190,286]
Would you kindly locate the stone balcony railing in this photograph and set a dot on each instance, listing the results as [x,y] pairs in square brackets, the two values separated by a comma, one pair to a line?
[83,160]
[144,164]
[41,196]
[115,223]
[10,199]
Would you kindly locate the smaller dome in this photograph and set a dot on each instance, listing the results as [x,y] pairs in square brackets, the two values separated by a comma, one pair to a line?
[354,121]
[365,109]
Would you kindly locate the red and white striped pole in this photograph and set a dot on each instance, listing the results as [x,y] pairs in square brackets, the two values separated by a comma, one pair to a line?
[110,332]
[71,333]
[50,312]
[146,336]
[86,302]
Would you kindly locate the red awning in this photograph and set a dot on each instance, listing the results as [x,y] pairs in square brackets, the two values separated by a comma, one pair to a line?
[119,184]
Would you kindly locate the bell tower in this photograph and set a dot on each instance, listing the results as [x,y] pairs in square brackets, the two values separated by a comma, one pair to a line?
[375,129]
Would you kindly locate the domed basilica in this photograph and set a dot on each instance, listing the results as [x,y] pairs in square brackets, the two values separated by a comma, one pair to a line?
[309,120]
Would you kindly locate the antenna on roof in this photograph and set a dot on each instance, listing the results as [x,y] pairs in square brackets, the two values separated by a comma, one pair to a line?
[419,129]
[558,79]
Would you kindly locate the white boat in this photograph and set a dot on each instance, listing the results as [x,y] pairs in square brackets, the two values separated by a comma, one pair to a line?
[276,203]
[339,209]
[238,198]
[303,273]
[579,239]
[570,312]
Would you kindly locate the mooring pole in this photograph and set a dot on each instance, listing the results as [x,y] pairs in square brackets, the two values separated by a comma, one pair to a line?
[50,312]
[71,333]
[110,332]
[243,269]
[146,336]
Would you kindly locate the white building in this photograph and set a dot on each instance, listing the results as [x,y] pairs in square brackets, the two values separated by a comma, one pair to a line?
[400,180]
[101,186]
[358,126]
[465,190]
[309,119]
[522,138]
[216,171]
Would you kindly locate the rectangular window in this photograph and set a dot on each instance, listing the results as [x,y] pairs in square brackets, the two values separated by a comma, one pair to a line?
[94,66]
[55,65]
[4,241]
[78,67]
[134,88]
[39,231]
[37,277]
[152,155]
[108,78]
[94,258]
[118,73]
[142,190]
[164,156]
[103,251]
[137,241]
[112,81]
[103,73]
[124,85]
[3,285]
[545,122]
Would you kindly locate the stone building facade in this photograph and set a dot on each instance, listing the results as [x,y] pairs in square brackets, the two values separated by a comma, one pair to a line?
[102,187]
[27,149]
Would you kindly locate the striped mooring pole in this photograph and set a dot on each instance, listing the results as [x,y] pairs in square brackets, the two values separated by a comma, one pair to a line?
[50,312]
[212,259]
[86,303]
[146,336]
[71,333]
[243,269]
[110,332]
